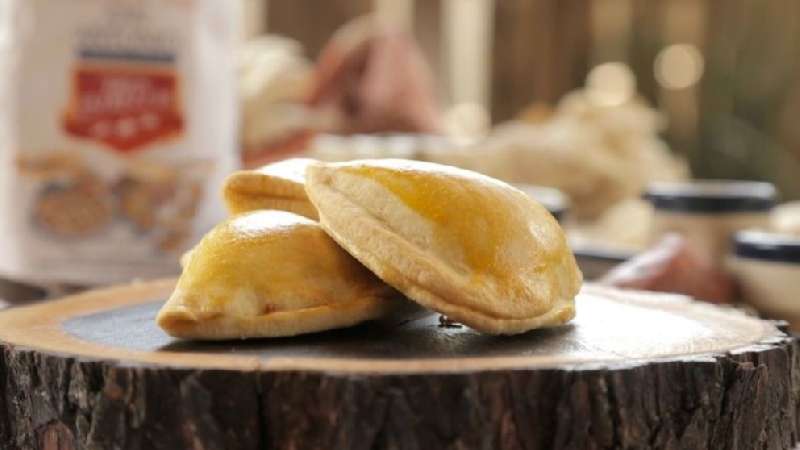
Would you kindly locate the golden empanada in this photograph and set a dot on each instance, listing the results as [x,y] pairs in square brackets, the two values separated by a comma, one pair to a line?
[463,244]
[271,273]
[275,186]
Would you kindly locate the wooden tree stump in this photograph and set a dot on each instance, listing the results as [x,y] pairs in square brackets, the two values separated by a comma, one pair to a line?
[632,371]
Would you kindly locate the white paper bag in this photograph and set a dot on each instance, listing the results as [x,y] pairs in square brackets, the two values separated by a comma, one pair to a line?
[117,126]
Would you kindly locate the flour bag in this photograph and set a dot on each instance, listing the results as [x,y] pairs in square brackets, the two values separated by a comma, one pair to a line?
[117,127]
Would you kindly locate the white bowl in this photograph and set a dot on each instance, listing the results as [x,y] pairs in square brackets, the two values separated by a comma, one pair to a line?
[709,212]
[767,266]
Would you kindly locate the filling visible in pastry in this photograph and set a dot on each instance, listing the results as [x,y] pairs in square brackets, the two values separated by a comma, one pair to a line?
[460,243]
[275,186]
[271,273]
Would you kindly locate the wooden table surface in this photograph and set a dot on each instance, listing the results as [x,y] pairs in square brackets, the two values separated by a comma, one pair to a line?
[654,371]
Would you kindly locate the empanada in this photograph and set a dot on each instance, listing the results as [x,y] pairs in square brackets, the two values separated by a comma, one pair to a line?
[275,186]
[463,244]
[271,273]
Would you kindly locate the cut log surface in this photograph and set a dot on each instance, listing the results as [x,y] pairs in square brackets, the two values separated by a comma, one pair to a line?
[632,371]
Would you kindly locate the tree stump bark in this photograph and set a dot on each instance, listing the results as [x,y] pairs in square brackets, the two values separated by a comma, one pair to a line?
[633,371]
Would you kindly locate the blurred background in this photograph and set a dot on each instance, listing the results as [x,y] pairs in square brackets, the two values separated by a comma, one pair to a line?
[724,73]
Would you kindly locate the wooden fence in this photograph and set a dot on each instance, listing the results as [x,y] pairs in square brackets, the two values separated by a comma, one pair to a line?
[737,122]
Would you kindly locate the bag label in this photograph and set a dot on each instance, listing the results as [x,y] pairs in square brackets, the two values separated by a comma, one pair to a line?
[124,108]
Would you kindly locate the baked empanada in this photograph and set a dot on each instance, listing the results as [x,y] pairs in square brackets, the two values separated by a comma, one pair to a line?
[463,244]
[275,186]
[271,273]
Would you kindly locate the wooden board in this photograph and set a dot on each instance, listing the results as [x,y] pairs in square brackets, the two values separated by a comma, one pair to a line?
[631,371]
[540,52]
